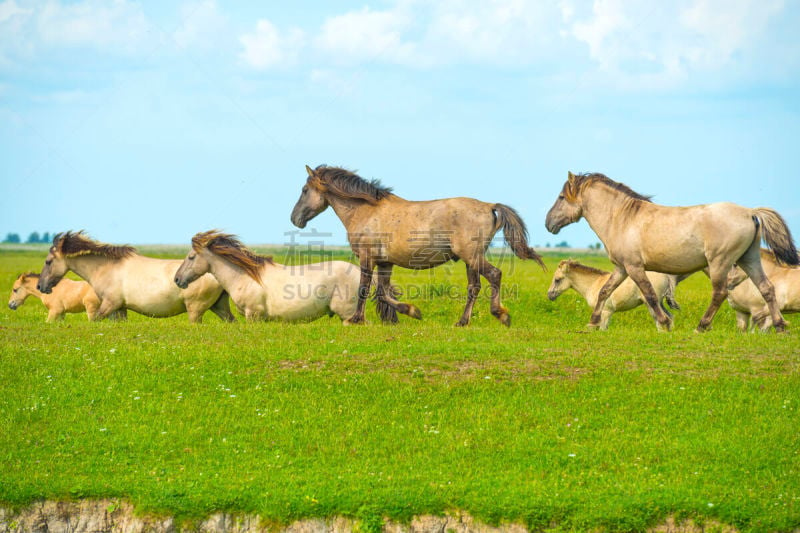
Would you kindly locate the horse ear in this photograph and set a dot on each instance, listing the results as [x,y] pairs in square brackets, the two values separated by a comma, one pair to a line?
[310,172]
[570,176]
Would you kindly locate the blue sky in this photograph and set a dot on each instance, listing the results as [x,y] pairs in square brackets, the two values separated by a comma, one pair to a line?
[148,122]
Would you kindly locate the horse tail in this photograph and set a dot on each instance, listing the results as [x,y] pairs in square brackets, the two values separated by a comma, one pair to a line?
[515,233]
[776,234]
[386,312]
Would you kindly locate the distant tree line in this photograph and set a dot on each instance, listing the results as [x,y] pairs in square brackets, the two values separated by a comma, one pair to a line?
[32,238]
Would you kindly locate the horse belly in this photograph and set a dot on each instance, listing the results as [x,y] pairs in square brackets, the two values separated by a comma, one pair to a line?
[159,304]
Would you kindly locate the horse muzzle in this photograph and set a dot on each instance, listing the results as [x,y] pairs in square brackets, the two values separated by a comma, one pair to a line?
[552,296]
[13,305]
[44,289]
[181,283]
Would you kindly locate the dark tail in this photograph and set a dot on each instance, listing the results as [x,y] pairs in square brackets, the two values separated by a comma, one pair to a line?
[776,234]
[516,234]
[386,312]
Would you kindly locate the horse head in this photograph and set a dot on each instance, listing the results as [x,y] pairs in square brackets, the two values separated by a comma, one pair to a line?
[312,200]
[567,208]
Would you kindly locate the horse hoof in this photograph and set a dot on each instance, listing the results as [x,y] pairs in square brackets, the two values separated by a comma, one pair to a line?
[358,321]
[667,326]
[592,327]
[701,329]
[461,323]
[505,319]
[414,312]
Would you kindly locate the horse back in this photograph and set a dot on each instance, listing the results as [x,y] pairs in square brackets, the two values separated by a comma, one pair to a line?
[678,240]
[424,234]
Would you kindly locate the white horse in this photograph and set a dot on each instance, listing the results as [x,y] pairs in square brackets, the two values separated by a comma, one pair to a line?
[587,281]
[744,298]
[262,289]
[124,280]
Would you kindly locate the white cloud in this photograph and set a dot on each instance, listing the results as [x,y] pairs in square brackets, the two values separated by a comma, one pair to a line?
[201,26]
[9,9]
[661,45]
[118,25]
[268,47]
[367,35]
[496,32]
[725,27]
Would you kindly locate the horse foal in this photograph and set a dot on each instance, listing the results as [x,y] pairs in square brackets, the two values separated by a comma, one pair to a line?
[587,281]
[68,296]
[744,298]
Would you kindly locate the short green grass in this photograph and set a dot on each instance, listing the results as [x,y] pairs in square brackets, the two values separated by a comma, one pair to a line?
[542,423]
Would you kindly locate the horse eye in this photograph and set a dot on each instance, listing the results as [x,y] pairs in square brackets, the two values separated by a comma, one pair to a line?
[49,261]
[560,196]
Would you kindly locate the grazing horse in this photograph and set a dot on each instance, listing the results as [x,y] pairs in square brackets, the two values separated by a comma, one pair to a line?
[745,299]
[640,235]
[386,230]
[262,289]
[587,281]
[68,296]
[123,280]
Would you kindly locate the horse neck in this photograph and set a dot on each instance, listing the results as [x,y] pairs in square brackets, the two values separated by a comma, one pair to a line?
[348,209]
[582,281]
[30,286]
[229,276]
[600,206]
[88,266]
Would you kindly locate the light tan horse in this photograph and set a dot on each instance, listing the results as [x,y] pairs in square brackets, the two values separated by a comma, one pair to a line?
[262,289]
[640,235]
[68,296]
[385,230]
[745,299]
[123,280]
[587,281]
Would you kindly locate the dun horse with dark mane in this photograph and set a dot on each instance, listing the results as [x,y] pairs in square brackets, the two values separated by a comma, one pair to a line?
[385,230]
[124,280]
[640,235]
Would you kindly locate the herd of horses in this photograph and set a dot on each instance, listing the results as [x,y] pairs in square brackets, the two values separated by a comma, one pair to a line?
[655,246]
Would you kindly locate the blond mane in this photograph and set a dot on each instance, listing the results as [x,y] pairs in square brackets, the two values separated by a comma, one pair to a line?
[230,248]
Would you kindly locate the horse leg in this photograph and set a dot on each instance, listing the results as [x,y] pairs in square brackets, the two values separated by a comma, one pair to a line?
[119,315]
[742,321]
[195,314]
[617,277]
[222,308]
[493,275]
[54,315]
[637,274]
[718,274]
[750,262]
[762,319]
[473,289]
[107,307]
[384,292]
[363,292]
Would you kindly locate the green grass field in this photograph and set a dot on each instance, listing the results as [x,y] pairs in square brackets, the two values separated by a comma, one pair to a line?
[542,423]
